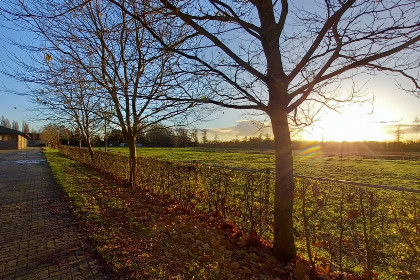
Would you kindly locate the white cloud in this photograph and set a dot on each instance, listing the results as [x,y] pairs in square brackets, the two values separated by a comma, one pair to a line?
[241,129]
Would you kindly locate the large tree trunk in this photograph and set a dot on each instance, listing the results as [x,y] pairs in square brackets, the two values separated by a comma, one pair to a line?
[105,139]
[90,149]
[284,245]
[79,137]
[133,160]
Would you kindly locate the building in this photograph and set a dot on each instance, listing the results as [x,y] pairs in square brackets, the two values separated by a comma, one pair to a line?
[35,140]
[11,139]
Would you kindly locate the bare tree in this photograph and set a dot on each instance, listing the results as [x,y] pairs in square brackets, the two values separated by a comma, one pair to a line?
[70,97]
[115,52]
[282,58]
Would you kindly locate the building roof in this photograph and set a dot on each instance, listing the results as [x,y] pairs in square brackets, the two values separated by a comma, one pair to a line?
[6,130]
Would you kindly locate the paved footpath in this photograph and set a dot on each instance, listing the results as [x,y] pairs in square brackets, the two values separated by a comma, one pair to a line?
[38,235]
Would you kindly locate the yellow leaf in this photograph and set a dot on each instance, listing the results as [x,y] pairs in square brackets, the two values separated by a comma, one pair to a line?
[48,57]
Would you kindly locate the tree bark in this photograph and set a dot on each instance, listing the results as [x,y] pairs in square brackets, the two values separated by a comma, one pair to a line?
[90,149]
[105,139]
[88,139]
[284,245]
[133,160]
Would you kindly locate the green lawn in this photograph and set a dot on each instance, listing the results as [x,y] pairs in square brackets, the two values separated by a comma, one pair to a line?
[401,173]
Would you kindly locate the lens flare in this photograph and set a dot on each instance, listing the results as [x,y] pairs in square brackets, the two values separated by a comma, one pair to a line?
[310,151]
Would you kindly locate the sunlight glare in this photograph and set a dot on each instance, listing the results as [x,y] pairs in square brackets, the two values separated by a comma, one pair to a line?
[351,126]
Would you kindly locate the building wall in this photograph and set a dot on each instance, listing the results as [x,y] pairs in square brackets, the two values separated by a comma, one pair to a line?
[11,142]
[22,142]
[8,145]
[35,143]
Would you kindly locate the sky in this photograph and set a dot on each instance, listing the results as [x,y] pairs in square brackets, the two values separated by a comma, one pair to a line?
[13,104]
[377,122]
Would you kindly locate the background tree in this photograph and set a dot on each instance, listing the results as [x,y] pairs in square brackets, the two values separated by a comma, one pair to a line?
[286,60]
[50,134]
[15,125]
[194,136]
[25,127]
[115,137]
[417,127]
[182,138]
[204,138]
[159,136]
[106,112]
[398,134]
[5,122]
[65,134]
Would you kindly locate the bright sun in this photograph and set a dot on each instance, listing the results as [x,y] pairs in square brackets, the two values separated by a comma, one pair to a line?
[350,125]
[346,128]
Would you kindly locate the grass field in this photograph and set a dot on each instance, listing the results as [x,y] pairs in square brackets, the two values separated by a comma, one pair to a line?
[401,173]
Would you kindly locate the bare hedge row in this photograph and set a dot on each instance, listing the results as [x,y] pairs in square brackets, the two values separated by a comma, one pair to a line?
[338,227]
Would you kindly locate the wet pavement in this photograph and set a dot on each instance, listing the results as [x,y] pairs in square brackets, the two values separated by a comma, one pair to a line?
[39,237]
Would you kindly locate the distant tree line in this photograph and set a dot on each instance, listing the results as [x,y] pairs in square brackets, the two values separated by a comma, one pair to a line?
[159,136]
[163,136]
[337,148]
[368,147]
[15,125]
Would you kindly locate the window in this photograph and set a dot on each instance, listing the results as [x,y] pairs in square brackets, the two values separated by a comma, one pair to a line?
[5,137]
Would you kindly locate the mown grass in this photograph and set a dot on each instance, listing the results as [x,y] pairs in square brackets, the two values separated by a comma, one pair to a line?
[84,188]
[66,173]
[402,173]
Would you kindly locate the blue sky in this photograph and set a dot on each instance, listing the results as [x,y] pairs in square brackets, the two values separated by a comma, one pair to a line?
[391,106]
[14,106]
